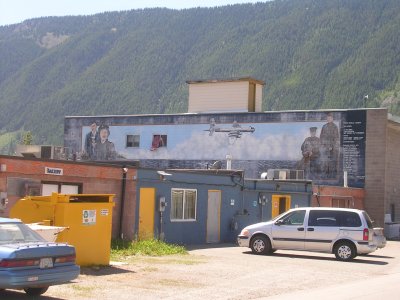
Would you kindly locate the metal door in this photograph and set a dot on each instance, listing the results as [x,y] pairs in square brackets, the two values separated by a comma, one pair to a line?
[213,216]
[280,204]
[146,213]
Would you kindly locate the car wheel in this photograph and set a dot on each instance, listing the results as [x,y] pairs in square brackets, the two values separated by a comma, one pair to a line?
[260,245]
[36,291]
[345,251]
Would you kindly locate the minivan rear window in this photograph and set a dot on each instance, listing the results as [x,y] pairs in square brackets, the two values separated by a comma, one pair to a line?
[334,218]
[368,219]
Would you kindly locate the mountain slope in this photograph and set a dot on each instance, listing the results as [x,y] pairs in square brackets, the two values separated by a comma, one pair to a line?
[311,54]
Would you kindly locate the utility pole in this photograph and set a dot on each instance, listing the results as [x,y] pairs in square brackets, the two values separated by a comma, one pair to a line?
[365,101]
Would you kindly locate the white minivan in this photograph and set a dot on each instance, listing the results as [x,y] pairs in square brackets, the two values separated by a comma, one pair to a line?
[344,232]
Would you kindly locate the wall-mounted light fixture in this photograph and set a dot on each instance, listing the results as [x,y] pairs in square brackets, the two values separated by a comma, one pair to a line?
[163,174]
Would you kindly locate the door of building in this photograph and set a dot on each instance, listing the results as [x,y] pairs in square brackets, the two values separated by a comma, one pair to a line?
[280,204]
[147,200]
[213,216]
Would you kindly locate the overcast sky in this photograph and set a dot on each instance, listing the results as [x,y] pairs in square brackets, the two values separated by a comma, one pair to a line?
[16,11]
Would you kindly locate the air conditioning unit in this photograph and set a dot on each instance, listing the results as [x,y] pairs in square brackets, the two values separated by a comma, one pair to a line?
[283,174]
[296,175]
[46,152]
[272,174]
[42,151]
[29,151]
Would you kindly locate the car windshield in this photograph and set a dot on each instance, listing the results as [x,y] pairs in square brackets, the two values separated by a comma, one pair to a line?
[18,233]
[278,216]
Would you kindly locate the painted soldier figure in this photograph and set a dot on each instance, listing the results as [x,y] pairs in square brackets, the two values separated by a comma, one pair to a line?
[311,154]
[91,139]
[105,150]
[330,145]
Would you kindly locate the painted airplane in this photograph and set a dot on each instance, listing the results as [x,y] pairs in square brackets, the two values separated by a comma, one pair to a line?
[235,131]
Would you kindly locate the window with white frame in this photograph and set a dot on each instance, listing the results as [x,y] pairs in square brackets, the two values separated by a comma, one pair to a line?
[183,204]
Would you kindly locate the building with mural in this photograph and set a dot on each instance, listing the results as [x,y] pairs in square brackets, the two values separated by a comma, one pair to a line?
[225,127]
[322,143]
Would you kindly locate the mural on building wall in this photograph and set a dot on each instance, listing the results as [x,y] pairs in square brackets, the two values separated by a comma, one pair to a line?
[321,154]
[234,132]
[323,144]
[97,145]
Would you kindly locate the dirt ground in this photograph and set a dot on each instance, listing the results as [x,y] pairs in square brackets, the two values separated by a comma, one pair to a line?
[223,272]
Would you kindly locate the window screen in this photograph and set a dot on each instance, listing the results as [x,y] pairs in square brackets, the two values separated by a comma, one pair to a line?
[183,206]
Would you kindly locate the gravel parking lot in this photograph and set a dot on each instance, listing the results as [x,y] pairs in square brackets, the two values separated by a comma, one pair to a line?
[223,272]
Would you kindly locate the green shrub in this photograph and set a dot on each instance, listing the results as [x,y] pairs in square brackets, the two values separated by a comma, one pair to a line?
[122,248]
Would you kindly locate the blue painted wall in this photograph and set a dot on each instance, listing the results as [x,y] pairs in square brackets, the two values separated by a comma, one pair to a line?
[239,201]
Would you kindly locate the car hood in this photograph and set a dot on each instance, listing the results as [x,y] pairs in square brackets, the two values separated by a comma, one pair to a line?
[256,226]
[34,249]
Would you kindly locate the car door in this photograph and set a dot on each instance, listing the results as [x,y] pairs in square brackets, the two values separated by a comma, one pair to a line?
[288,231]
[322,229]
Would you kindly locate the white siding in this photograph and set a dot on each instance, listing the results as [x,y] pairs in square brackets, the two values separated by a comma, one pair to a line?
[219,96]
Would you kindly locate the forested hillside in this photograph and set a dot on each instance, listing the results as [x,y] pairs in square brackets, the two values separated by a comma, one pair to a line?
[311,54]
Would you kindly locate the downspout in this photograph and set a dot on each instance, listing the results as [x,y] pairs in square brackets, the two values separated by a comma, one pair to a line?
[121,211]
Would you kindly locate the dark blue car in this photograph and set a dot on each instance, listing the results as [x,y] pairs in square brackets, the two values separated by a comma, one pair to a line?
[29,262]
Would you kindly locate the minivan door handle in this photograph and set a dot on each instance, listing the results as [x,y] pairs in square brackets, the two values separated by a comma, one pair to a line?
[310,229]
[300,228]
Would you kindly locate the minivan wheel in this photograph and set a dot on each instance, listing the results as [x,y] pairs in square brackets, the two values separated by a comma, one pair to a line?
[260,245]
[345,251]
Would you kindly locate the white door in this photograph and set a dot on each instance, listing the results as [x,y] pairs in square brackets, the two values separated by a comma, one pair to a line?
[213,216]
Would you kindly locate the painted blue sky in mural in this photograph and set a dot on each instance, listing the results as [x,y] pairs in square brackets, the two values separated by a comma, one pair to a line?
[269,141]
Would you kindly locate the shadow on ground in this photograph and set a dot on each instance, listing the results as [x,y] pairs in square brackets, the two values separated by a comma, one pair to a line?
[104,270]
[358,259]
[19,295]
[209,246]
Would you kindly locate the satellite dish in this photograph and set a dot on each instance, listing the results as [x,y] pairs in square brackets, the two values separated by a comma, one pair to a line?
[216,165]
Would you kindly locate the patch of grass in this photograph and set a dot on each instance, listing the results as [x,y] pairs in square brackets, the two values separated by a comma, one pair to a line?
[172,282]
[175,260]
[83,290]
[121,249]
